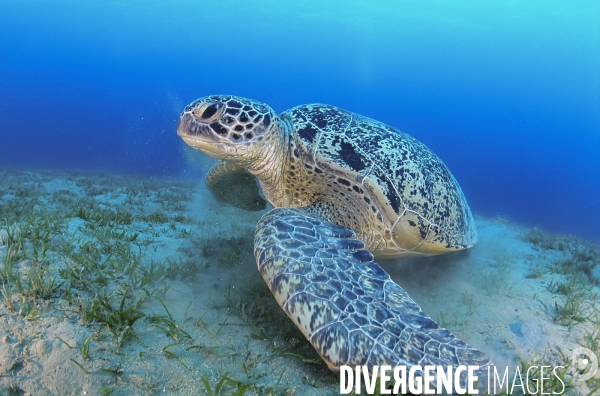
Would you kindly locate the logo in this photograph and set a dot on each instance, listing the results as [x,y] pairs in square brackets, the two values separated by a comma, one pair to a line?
[585,364]
[428,380]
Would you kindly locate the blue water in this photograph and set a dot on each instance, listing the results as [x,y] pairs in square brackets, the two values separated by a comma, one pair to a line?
[507,93]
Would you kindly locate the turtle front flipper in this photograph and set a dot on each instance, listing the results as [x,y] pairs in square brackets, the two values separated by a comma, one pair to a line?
[231,184]
[346,305]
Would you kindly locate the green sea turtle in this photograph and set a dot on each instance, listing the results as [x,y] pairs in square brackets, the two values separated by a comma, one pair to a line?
[345,189]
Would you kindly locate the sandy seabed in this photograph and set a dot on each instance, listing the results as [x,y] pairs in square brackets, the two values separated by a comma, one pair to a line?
[118,285]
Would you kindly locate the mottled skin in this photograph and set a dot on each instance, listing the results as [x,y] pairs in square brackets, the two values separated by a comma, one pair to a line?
[344,188]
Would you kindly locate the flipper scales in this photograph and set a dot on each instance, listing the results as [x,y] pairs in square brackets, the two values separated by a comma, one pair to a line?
[345,304]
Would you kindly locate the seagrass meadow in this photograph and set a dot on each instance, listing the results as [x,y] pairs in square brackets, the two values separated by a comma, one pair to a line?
[119,285]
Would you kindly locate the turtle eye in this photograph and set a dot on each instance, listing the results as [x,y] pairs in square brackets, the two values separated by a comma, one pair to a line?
[207,113]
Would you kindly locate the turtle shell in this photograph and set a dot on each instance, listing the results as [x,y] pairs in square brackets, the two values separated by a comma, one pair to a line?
[413,193]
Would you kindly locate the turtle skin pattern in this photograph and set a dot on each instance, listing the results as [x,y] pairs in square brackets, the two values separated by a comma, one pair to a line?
[345,304]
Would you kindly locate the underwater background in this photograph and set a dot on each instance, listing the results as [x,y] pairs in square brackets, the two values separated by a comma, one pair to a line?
[121,274]
[507,93]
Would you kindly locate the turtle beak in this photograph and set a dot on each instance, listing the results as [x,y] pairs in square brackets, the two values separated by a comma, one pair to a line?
[189,127]
[199,135]
[196,134]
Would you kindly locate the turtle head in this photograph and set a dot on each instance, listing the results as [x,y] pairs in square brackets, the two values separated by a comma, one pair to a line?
[230,128]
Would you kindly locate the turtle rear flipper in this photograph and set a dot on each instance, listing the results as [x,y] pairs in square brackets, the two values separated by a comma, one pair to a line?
[345,304]
[231,184]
